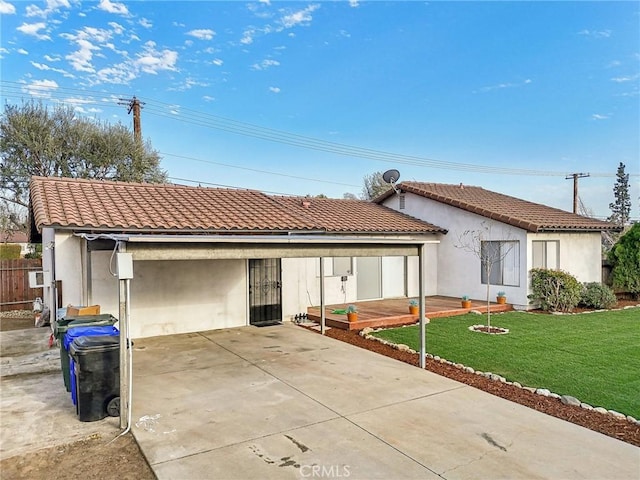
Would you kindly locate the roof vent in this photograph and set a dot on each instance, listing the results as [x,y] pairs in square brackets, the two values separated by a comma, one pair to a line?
[306,203]
[461,186]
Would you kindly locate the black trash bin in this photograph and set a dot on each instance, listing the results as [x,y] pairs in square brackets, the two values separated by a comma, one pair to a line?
[97,376]
[60,327]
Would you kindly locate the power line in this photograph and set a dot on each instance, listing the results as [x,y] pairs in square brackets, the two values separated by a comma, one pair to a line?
[186,115]
[296,177]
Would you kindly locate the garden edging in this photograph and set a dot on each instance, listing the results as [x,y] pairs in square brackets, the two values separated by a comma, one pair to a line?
[565,399]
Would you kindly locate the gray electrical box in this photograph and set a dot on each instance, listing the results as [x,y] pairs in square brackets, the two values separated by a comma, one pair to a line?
[125,265]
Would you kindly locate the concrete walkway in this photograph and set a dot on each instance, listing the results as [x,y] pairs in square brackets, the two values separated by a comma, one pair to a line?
[283,402]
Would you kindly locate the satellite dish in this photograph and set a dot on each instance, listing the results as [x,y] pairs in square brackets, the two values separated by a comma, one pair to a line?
[391,177]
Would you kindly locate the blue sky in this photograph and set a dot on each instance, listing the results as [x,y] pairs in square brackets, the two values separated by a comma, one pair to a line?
[308,97]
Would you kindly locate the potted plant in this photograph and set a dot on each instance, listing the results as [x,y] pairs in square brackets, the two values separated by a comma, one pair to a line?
[352,313]
[466,302]
[501,298]
[413,307]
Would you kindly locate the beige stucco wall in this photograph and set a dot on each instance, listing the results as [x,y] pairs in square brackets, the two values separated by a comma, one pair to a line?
[580,253]
[177,296]
[459,272]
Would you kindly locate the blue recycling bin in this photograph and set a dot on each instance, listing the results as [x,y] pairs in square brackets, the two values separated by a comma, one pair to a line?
[71,335]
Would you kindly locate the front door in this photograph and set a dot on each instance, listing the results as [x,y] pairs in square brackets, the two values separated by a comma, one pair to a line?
[265,292]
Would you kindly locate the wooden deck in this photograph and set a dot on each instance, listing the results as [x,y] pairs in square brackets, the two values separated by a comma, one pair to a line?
[395,311]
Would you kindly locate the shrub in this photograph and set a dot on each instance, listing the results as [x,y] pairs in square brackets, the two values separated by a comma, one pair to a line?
[554,290]
[597,295]
[625,258]
[9,251]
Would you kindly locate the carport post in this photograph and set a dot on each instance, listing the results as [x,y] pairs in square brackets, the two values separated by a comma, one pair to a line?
[422,312]
[124,347]
[322,312]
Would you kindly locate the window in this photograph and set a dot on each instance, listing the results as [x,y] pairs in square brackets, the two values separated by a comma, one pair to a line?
[342,266]
[337,266]
[546,254]
[500,262]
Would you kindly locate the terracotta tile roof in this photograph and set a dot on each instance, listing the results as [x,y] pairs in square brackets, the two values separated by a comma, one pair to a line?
[117,206]
[529,216]
[91,204]
[355,216]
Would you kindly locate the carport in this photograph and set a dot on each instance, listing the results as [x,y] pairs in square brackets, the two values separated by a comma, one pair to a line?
[286,402]
[140,248]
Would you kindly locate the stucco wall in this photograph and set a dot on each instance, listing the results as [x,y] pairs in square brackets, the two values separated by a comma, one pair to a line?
[580,253]
[459,272]
[177,296]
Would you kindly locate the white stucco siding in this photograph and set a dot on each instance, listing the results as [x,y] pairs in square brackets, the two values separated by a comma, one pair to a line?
[458,271]
[68,267]
[48,237]
[181,296]
[580,253]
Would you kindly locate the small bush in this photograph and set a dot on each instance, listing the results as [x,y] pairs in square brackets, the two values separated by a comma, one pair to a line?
[554,290]
[597,295]
[9,251]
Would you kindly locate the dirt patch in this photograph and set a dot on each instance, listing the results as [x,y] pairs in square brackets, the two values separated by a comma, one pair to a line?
[605,424]
[93,458]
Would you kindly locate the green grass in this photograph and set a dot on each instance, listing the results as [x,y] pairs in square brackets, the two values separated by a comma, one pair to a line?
[594,357]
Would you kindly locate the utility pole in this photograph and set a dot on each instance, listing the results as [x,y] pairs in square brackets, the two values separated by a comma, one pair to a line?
[575,177]
[134,105]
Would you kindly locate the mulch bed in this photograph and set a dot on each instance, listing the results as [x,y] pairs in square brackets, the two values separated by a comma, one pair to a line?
[605,424]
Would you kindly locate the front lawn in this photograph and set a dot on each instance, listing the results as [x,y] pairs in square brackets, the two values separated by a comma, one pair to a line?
[593,356]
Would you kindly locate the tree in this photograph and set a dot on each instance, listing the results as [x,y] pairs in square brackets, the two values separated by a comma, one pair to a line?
[490,252]
[625,258]
[57,143]
[621,207]
[374,185]
[349,196]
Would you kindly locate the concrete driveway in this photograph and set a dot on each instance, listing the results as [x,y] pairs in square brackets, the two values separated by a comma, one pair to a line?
[283,402]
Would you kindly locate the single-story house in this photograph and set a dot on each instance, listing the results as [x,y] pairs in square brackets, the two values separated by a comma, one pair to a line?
[16,238]
[207,258]
[523,234]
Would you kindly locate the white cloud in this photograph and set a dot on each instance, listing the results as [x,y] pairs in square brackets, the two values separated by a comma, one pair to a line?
[501,86]
[145,23]
[354,3]
[274,89]
[6,8]
[629,78]
[202,34]
[22,51]
[117,28]
[33,29]
[247,37]
[113,7]
[45,67]
[218,62]
[152,60]
[595,33]
[266,2]
[40,88]
[51,7]
[81,59]
[119,74]
[301,17]
[208,98]
[267,63]
[598,116]
[49,58]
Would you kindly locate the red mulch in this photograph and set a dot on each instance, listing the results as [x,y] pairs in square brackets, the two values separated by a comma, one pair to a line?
[605,424]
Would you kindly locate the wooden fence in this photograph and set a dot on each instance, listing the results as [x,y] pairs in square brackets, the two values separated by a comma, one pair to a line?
[15,293]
